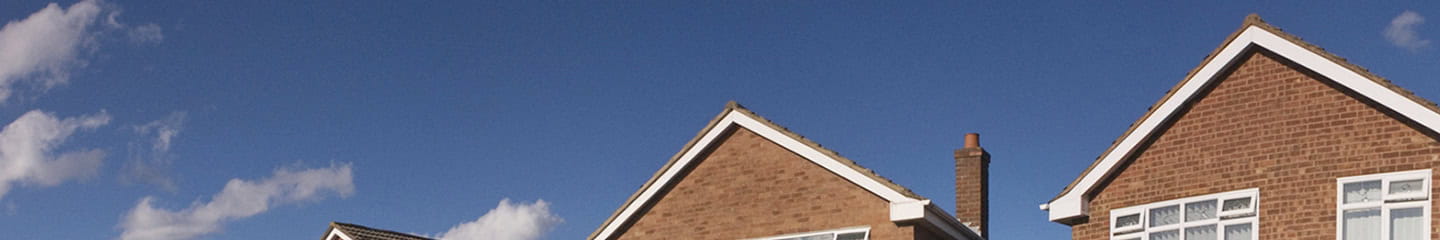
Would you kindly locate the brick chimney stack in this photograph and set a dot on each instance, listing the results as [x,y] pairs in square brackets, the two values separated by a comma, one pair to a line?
[972,184]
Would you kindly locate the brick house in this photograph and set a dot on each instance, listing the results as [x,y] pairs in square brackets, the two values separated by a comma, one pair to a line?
[346,231]
[743,177]
[1269,138]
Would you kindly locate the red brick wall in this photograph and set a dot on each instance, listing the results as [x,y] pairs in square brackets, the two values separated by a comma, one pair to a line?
[750,187]
[972,170]
[925,233]
[1270,127]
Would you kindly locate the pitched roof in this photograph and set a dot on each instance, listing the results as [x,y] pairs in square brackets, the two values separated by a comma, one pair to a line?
[1373,86]
[732,105]
[357,232]
[735,115]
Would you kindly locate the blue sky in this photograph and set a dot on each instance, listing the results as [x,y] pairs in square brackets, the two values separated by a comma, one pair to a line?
[267,120]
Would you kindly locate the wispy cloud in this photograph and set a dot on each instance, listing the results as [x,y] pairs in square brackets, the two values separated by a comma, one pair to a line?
[43,46]
[27,149]
[1402,33]
[523,221]
[240,199]
[148,33]
[150,158]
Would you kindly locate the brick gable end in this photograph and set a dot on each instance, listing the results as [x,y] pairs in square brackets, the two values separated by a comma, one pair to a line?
[1270,126]
[749,187]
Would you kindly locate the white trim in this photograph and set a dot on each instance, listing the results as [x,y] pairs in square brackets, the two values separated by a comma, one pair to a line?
[1139,226]
[924,211]
[1073,202]
[336,232]
[1386,203]
[950,225]
[908,210]
[865,229]
[737,119]
[1143,229]
[805,151]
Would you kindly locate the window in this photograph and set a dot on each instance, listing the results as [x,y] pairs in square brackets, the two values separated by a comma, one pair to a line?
[1220,216]
[856,233]
[1393,206]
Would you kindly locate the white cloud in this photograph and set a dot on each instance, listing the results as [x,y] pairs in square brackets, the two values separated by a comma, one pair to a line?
[1402,33]
[507,221]
[164,130]
[150,159]
[239,199]
[40,50]
[148,33]
[43,46]
[28,144]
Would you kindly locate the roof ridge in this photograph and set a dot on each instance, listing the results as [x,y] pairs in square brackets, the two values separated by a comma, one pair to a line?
[1253,18]
[733,105]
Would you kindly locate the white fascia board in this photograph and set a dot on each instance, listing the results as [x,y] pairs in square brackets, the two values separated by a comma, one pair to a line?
[949,224]
[737,119]
[1067,206]
[924,211]
[818,157]
[336,232]
[1350,79]
[905,211]
[1073,203]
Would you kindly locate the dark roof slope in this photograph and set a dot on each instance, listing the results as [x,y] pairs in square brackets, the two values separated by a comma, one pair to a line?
[366,233]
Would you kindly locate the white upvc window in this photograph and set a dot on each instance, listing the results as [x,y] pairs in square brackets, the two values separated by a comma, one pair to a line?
[854,233]
[1394,206]
[1221,216]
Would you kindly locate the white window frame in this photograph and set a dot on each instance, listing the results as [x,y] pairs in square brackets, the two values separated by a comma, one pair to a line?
[1387,202]
[832,232]
[1221,220]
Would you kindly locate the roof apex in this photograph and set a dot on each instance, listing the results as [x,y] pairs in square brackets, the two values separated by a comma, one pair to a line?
[359,232]
[733,105]
[1253,18]
[1275,38]
[736,115]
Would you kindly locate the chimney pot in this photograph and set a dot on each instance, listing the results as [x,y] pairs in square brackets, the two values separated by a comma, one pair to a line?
[972,140]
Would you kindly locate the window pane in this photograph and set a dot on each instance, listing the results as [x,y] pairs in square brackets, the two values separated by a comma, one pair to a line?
[1408,186]
[1164,216]
[1166,235]
[1127,220]
[1362,224]
[851,236]
[823,236]
[1200,210]
[1362,191]
[1235,204]
[1238,232]
[1407,224]
[1201,232]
